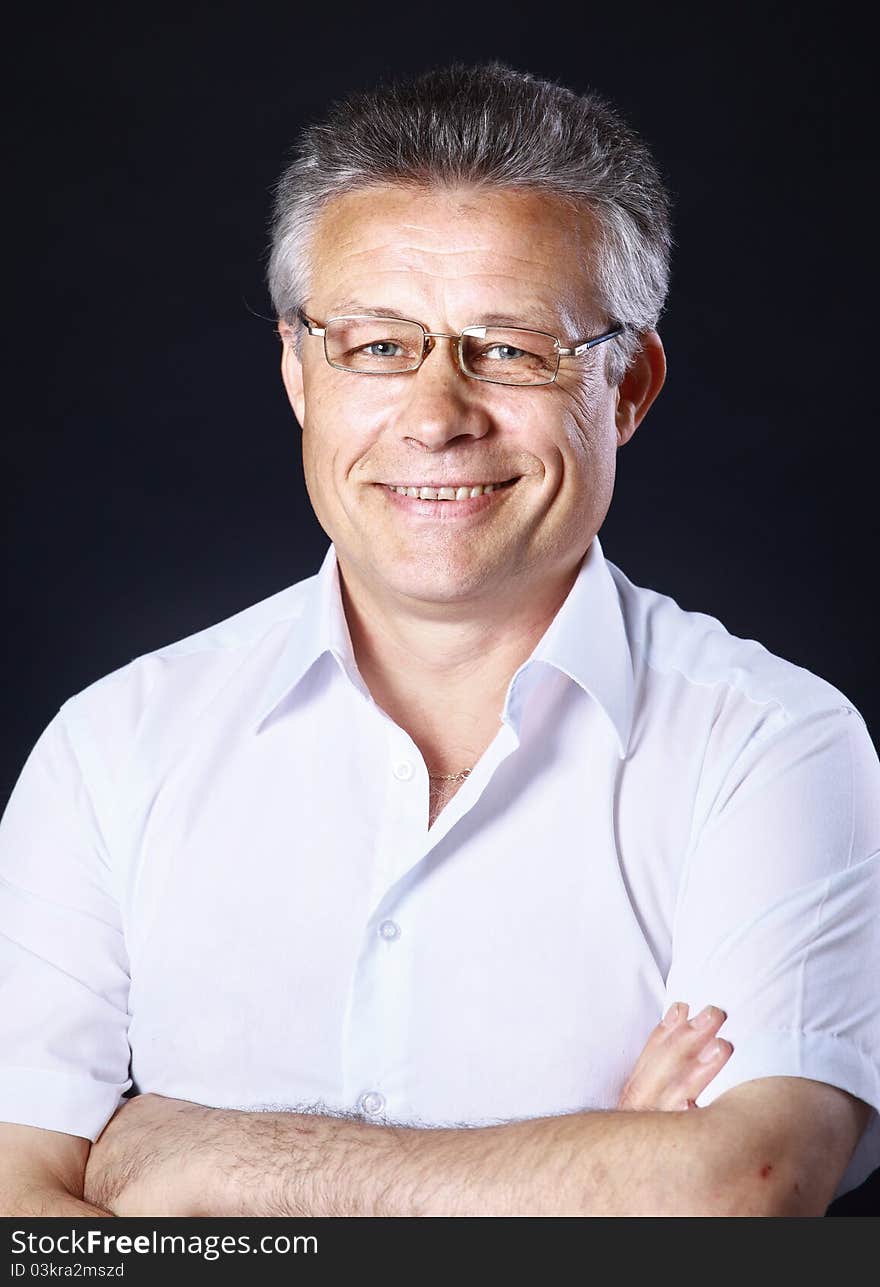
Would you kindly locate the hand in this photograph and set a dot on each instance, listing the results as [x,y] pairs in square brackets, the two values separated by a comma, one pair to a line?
[137,1164]
[678,1061]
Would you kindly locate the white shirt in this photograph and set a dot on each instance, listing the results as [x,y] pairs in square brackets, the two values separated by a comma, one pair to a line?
[219,884]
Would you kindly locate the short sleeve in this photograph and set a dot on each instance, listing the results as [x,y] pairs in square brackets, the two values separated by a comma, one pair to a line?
[778,916]
[64,977]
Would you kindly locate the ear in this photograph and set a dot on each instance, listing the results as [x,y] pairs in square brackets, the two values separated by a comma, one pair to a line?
[291,371]
[639,387]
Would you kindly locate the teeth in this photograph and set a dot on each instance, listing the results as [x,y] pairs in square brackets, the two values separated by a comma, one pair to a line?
[446,493]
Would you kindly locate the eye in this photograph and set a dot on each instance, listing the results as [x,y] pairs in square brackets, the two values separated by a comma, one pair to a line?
[506,352]
[382,348]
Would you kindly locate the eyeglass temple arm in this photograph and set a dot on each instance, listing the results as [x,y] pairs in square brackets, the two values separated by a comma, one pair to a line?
[309,324]
[589,344]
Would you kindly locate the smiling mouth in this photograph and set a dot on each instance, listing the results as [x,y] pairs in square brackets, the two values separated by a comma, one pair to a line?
[448,492]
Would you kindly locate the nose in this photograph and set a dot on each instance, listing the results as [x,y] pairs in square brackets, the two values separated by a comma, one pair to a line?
[441,404]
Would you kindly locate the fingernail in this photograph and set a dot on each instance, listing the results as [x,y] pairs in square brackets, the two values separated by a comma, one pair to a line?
[672,1016]
[709,1052]
[703,1019]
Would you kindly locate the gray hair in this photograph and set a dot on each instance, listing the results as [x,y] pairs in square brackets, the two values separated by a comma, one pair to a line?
[487,126]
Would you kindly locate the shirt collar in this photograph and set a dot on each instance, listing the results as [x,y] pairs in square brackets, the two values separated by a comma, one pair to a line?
[586,640]
[319,627]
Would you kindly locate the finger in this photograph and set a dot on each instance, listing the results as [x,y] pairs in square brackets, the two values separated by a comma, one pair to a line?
[671,1022]
[678,1040]
[704,1067]
[690,1057]
[643,1082]
[676,1026]
[673,1018]
[697,1031]
[667,1072]
[708,1021]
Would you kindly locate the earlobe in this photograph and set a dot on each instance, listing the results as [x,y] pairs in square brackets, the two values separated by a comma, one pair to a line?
[624,420]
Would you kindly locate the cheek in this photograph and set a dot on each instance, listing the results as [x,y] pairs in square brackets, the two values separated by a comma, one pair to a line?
[337,452]
[589,420]
[321,400]
[588,399]
[331,428]
[588,448]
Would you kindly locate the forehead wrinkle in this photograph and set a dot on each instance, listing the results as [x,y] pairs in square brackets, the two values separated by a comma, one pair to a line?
[350,214]
[410,256]
[544,309]
[348,244]
[444,268]
[491,280]
[574,231]
[450,252]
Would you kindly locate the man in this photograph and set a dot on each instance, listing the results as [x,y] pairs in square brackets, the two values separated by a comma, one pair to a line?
[421,886]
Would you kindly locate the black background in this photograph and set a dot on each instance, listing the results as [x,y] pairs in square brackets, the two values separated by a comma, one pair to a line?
[151,463]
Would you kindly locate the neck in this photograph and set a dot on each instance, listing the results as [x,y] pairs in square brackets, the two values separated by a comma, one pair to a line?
[444,680]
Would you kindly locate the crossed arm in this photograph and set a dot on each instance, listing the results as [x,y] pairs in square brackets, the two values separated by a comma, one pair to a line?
[772,1147]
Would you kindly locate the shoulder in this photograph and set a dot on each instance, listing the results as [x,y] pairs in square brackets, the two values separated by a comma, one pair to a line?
[169,686]
[694,652]
[719,718]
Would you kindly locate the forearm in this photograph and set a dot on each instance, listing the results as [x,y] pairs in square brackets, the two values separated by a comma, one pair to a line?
[558,1165]
[579,1164]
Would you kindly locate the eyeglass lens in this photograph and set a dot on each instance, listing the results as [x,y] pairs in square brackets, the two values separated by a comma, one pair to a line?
[503,355]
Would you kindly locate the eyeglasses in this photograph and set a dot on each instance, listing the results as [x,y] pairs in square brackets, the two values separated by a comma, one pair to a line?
[497,354]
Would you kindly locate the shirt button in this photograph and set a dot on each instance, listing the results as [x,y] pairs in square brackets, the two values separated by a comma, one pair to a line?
[389,930]
[372,1102]
[403,770]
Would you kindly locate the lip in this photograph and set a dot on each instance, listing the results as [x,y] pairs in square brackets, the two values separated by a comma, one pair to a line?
[478,482]
[444,511]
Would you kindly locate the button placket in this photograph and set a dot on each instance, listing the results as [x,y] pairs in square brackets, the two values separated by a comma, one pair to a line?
[378,1019]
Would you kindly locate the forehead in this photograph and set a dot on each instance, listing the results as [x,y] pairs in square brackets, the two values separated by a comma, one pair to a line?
[450,250]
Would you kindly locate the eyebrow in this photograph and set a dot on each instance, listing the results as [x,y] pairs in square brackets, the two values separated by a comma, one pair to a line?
[488,319]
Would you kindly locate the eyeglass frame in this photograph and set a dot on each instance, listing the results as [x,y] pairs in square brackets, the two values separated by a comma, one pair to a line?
[578,348]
